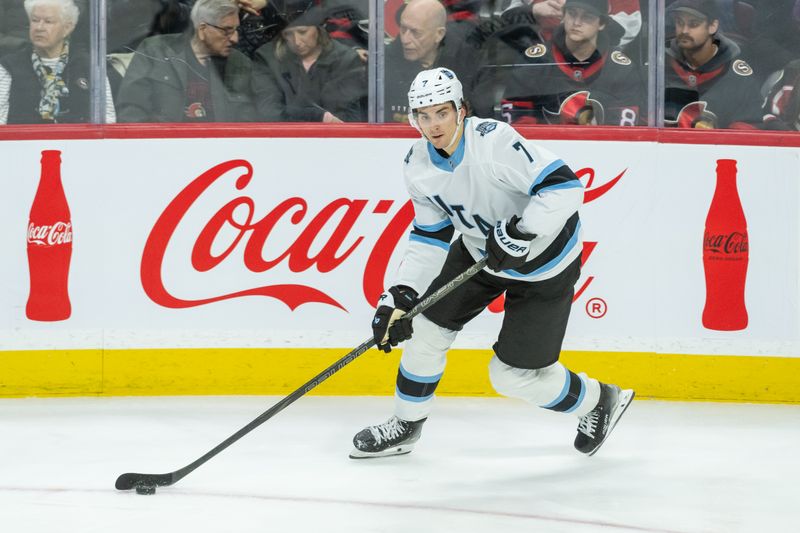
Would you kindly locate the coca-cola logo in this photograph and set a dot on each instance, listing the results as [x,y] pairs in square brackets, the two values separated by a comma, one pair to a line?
[725,243]
[50,235]
[251,233]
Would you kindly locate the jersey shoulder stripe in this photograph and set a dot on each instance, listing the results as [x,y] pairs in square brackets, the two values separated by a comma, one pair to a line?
[559,179]
[544,173]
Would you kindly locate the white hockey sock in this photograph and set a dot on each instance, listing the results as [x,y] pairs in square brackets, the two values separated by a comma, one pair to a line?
[553,387]
[421,367]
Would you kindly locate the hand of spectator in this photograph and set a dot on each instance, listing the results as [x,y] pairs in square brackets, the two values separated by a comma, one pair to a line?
[363,54]
[330,118]
[548,8]
[253,7]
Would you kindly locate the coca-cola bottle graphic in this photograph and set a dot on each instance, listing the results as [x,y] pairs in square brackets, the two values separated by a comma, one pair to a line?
[725,254]
[49,245]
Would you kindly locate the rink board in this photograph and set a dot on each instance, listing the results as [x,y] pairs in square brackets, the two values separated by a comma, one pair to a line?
[244,265]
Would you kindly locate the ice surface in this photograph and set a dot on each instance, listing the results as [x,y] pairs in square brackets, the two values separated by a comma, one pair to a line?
[482,465]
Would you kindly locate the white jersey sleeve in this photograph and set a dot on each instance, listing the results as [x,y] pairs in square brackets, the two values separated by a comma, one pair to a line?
[554,190]
[429,239]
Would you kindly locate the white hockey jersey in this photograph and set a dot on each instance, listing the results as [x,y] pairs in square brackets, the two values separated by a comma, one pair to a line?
[493,174]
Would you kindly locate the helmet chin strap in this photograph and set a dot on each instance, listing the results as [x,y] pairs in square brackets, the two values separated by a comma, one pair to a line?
[459,122]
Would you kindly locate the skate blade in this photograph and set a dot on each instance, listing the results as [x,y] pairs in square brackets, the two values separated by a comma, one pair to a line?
[397,450]
[625,399]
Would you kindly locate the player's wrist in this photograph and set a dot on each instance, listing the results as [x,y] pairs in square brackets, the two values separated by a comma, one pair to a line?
[403,297]
[515,232]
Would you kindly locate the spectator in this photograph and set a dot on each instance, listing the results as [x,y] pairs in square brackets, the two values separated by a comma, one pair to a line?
[131,21]
[423,44]
[305,76]
[626,13]
[707,84]
[47,80]
[14,25]
[502,42]
[776,34]
[578,78]
[782,101]
[190,77]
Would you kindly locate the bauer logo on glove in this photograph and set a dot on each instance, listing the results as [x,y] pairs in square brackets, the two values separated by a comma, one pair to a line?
[507,246]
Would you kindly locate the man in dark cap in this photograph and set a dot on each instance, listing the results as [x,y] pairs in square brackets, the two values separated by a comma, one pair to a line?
[707,84]
[578,77]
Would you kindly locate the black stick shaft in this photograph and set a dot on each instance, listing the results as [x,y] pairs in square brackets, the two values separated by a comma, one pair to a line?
[128,481]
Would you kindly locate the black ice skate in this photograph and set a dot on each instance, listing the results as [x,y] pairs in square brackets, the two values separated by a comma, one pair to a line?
[595,426]
[393,437]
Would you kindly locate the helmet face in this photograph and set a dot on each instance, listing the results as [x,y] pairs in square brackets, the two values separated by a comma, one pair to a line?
[434,87]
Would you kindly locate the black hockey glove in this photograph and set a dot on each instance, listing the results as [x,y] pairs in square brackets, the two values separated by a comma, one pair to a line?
[388,327]
[507,246]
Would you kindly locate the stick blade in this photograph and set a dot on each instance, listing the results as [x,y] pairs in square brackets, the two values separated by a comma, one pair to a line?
[131,480]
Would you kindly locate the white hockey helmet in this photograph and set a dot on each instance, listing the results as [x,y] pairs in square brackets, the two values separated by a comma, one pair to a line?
[433,87]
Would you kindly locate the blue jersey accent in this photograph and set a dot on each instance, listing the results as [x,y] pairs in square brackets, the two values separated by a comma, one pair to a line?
[571,184]
[428,240]
[433,228]
[448,164]
[420,379]
[554,261]
[546,171]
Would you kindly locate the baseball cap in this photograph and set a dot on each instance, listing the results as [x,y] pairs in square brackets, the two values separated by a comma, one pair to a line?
[302,13]
[598,7]
[707,9]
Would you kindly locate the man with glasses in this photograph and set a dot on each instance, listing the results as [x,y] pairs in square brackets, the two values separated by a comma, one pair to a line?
[578,77]
[707,84]
[194,77]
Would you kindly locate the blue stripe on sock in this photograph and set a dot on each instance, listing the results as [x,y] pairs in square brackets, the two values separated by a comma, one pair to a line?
[561,396]
[420,379]
[580,396]
[408,398]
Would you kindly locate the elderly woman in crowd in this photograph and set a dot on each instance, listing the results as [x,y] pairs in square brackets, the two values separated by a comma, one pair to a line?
[305,76]
[46,81]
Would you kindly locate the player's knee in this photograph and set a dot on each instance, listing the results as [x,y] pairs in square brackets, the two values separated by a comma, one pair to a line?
[426,353]
[527,384]
[434,338]
[504,378]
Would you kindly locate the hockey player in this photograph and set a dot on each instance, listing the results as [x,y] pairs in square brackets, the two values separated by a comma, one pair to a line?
[518,203]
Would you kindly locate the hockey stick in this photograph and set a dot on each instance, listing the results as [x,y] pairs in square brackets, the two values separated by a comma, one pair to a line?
[133,480]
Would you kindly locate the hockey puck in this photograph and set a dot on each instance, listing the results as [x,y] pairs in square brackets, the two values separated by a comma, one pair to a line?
[145,489]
